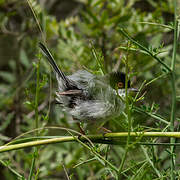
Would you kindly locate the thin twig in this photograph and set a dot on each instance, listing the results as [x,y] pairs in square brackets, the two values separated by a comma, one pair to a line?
[65,171]
[157,24]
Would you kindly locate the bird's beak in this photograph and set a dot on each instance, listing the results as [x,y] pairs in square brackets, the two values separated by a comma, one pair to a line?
[131,91]
[135,90]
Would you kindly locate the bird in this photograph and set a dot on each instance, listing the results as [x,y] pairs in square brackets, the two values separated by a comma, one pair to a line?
[89,98]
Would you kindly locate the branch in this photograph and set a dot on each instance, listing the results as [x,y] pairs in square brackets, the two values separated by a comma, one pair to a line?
[124,33]
[99,138]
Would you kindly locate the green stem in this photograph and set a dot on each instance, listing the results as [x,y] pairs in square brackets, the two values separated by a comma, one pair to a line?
[172,140]
[153,115]
[37,96]
[175,37]
[150,161]
[128,116]
[36,20]
[36,119]
[92,149]
[173,103]
[11,169]
[32,165]
[106,136]
[157,24]
[144,49]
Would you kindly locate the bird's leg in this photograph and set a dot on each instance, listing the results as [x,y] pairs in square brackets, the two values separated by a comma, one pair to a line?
[105,130]
[79,126]
[81,129]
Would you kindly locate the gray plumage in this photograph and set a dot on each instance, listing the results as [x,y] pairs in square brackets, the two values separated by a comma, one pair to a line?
[85,96]
[100,102]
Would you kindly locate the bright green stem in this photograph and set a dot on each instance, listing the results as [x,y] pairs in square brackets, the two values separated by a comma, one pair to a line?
[93,138]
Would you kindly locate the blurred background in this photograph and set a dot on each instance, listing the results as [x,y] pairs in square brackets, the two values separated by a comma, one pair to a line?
[72,29]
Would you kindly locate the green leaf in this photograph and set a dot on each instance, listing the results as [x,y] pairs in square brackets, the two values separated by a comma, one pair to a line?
[5,124]
[2,2]
[29,104]
[24,58]
[7,76]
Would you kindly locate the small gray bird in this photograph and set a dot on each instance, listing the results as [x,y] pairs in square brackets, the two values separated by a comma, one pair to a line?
[89,98]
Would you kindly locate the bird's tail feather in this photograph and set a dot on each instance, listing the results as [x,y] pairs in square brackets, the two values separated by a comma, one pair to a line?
[51,60]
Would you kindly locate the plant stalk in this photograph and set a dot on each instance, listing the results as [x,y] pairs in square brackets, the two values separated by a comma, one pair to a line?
[33,163]
[173,103]
[106,136]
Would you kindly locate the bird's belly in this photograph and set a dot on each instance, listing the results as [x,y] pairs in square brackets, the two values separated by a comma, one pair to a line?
[90,106]
[91,110]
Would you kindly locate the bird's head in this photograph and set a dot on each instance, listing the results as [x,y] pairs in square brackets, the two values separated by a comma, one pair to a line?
[117,81]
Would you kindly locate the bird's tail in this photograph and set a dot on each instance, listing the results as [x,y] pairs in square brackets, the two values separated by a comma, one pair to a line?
[51,60]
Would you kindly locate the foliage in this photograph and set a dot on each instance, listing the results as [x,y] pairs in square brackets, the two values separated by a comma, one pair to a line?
[99,36]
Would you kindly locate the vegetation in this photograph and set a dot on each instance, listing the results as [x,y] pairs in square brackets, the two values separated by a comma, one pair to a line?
[137,37]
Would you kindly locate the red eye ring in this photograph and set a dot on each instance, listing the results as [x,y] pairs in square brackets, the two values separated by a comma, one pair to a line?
[120,85]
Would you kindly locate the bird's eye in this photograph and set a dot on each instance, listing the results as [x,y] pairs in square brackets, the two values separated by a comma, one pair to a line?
[120,85]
